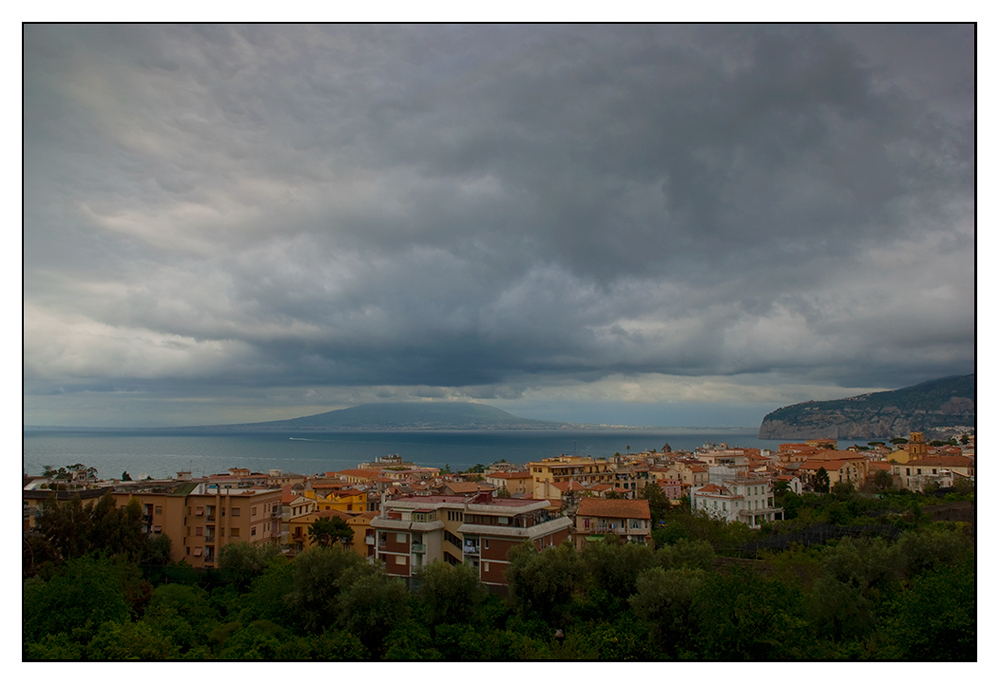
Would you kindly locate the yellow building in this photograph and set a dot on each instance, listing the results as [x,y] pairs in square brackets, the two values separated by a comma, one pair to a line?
[360,522]
[563,469]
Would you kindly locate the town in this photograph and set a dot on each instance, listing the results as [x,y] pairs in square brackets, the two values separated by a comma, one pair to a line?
[407,519]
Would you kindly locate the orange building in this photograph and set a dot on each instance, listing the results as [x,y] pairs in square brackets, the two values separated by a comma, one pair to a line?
[201,517]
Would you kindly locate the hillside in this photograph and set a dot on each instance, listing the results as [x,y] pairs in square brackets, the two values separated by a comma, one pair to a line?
[398,416]
[931,407]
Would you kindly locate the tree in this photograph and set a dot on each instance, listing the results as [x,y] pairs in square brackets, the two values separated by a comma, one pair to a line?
[687,553]
[820,481]
[745,616]
[327,530]
[317,578]
[450,594]
[503,492]
[181,613]
[664,599]
[126,640]
[614,568]
[85,593]
[899,441]
[843,489]
[936,620]
[241,562]
[65,524]
[964,439]
[659,505]
[371,604]
[882,480]
[543,582]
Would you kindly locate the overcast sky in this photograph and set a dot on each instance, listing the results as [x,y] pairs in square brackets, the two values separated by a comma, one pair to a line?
[645,224]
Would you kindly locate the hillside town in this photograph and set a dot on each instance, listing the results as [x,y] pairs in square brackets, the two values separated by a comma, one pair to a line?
[407,516]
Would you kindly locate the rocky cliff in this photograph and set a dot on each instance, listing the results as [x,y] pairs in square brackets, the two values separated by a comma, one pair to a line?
[936,408]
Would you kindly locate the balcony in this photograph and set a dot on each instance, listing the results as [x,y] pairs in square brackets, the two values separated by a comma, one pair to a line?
[369,539]
[418,548]
[470,549]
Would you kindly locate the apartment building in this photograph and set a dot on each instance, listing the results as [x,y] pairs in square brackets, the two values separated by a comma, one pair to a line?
[412,531]
[747,499]
[597,517]
[516,482]
[563,469]
[201,517]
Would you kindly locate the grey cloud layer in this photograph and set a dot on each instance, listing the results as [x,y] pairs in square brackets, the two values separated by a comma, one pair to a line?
[458,206]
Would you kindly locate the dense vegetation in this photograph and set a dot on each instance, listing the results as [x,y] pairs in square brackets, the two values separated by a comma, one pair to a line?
[881,581]
[879,414]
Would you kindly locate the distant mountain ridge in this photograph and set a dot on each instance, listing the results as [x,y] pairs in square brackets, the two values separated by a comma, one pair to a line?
[931,407]
[400,416]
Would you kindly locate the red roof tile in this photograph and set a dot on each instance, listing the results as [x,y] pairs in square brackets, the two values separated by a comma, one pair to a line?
[614,508]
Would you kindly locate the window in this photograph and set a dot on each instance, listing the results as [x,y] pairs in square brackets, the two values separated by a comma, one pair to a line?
[234,532]
[235,511]
[486,543]
[197,530]
[159,511]
[486,566]
[401,538]
[253,512]
[200,511]
[253,532]
[400,560]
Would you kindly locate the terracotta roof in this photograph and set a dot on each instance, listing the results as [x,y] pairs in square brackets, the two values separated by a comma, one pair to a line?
[333,513]
[943,460]
[614,508]
[834,455]
[462,486]
[362,473]
[816,465]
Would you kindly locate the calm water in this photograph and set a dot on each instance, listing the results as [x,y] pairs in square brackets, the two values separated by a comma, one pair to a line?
[161,455]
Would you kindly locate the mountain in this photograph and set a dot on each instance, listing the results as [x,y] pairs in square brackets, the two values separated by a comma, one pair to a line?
[400,415]
[935,408]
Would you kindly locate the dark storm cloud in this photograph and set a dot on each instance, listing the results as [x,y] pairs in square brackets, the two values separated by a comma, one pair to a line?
[495,208]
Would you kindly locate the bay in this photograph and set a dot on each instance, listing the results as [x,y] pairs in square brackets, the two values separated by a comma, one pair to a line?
[162,454]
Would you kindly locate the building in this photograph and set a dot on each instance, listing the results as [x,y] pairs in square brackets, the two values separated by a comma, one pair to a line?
[919,473]
[201,517]
[597,517]
[631,479]
[563,469]
[478,530]
[517,482]
[360,522]
[853,469]
[747,499]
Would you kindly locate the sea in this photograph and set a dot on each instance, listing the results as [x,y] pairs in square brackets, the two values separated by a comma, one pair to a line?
[163,454]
